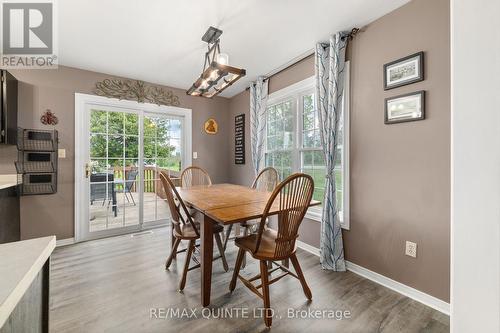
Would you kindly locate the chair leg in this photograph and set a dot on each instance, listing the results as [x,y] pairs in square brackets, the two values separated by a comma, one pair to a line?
[190,250]
[237,268]
[265,293]
[244,262]
[302,279]
[228,233]
[172,253]
[221,251]
[126,197]
[132,197]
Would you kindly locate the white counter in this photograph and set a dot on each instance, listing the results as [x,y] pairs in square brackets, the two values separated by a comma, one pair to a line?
[20,262]
[8,181]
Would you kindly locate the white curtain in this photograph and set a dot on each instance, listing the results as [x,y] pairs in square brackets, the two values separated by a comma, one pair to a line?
[258,118]
[330,65]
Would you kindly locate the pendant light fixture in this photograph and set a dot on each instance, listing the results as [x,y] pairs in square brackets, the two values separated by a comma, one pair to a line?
[217,75]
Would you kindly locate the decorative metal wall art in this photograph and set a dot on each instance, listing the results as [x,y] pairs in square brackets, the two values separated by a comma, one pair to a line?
[136,90]
[49,118]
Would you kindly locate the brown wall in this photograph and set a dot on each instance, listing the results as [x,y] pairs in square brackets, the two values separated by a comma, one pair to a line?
[54,89]
[400,174]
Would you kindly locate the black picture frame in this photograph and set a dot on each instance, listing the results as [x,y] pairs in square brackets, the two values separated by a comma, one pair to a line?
[420,94]
[401,61]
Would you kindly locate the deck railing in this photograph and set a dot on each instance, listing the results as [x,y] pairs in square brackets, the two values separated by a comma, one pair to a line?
[152,183]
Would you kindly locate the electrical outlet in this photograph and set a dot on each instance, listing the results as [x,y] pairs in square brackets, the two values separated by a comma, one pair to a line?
[195,154]
[411,249]
[61,153]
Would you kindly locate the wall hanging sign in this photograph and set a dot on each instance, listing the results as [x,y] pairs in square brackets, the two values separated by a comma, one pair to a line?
[135,90]
[404,71]
[49,118]
[403,108]
[239,139]
[211,126]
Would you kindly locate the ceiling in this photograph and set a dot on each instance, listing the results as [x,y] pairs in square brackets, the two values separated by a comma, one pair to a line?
[160,40]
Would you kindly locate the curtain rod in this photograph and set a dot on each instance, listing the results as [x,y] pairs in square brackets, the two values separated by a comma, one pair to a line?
[301,57]
[287,65]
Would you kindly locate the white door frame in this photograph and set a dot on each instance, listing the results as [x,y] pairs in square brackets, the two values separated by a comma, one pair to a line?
[82,101]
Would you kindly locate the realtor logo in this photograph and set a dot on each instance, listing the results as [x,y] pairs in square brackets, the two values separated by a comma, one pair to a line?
[28,35]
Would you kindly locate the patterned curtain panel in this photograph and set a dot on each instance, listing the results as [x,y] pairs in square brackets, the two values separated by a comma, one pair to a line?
[258,104]
[330,61]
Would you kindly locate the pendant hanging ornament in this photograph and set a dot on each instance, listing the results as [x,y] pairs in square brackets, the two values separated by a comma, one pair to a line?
[217,75]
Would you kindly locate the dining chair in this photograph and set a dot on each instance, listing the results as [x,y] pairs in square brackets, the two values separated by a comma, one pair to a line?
[266,181]
[127,188]
[291,198]
[185,228]
[194,175]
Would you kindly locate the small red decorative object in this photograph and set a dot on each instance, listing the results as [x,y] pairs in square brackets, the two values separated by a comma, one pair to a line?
[48,118]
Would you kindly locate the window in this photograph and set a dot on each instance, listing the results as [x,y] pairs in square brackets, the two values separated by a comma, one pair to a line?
[293,142]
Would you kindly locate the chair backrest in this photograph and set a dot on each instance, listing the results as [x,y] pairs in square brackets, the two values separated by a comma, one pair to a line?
[175,209]
[194,175]
[131,176]
[266,180]
[292,197]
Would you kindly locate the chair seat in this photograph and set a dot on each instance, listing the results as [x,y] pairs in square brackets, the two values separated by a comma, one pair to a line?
[187,232]
[267,245]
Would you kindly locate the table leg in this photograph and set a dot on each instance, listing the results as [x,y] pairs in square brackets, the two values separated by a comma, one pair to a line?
[207,248]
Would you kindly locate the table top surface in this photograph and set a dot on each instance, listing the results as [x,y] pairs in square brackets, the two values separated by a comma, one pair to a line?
[229,203]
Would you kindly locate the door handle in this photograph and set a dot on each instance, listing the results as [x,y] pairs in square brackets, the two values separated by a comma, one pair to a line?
[87,170]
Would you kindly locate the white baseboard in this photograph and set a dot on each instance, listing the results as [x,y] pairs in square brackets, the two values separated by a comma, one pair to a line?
[309,248]
[64,242]
[403,289]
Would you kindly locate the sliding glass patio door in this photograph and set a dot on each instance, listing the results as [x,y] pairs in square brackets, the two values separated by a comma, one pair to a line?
[128,145]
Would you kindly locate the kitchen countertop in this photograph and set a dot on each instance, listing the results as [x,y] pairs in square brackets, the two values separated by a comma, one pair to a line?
[20,263]
[8,181]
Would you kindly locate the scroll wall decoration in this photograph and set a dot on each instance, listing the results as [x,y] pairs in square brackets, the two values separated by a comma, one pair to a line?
[136,90]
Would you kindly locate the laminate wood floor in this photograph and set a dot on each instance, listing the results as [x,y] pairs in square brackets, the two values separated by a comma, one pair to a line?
[119,284]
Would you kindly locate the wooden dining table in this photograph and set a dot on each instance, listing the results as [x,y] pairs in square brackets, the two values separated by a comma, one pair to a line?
[224,204]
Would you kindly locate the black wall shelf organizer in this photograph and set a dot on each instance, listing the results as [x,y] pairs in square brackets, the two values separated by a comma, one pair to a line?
[37,161]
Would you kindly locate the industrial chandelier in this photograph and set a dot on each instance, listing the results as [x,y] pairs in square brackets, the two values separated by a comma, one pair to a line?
[217,75]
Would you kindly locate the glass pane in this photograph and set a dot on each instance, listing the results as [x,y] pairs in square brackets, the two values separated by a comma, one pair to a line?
[163,148]
[149,211]
[175,129]
[98,120]
[131,124]
[98,166]
[98,145]
[149,147]
[131,147]
[115,122]
[309,113]
[162,129]
[97,216]
[308,139]
[115,146]
[131,209]
[149,127]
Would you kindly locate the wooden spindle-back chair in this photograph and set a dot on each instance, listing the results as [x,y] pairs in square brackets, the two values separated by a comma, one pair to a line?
[193,175]
[291,198]
[266,181]
[185,228]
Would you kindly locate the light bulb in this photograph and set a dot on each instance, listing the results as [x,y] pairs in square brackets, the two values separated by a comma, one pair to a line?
[222,59]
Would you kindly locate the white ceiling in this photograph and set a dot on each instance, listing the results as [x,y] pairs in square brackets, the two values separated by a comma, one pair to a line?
[160,40]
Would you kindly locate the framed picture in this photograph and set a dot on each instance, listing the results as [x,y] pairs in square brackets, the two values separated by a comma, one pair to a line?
[402,108]
[404,71]
[211,126]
